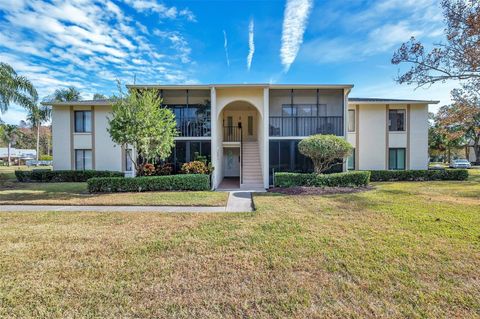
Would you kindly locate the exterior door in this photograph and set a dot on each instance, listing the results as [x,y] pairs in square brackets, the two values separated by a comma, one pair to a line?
[231,162]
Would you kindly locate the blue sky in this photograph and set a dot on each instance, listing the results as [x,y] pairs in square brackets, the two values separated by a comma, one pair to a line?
[89,44]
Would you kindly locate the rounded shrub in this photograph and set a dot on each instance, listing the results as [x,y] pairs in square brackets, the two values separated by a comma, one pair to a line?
[324,150]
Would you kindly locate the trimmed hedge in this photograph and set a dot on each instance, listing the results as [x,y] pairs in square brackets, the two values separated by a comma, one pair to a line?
[420,175]
[186,182]
[347,179]
[49,176]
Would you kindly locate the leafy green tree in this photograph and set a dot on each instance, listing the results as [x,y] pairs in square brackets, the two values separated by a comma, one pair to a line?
[139,120]
[15,89]
[324,150]
[37,115]
[8,134]
[66,95]
[461,120]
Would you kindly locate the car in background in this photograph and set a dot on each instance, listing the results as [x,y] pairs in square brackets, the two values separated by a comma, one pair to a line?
[460,163]
[436,167]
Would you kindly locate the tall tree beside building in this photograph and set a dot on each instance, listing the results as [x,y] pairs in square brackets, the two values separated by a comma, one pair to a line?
[36,116]
[461,120]
[15,89]
[140,121]
[99,96]
[8,134]
[66,95]
[458,58]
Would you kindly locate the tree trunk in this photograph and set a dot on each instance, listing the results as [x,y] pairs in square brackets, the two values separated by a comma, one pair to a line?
[449,155]
[38,143]
[476,149]
[8,152]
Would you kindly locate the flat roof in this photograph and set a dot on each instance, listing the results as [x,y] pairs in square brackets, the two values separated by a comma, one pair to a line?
[233,85]
[352,100]
[81,102]
[374,100]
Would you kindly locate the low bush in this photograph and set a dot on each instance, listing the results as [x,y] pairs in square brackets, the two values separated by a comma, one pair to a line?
[49,176]
[419,175]
[46,157]
[195,167]
[185,182]
[164,169]
[148,169]
[347,179]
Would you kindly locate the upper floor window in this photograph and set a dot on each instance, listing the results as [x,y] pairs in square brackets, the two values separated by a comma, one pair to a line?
[351,120]
[289,110]
[83,121]
[396,120]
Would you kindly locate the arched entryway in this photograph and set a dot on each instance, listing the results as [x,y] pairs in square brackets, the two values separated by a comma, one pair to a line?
[241,129]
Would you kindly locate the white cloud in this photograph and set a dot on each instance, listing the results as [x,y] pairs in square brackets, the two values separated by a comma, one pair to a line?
[389,35]
[384,38]
[161,9]
[251,44]
[294,23]
[89,44]
[225,46]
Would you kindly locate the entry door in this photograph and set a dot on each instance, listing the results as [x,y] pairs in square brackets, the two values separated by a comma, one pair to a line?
[231,162]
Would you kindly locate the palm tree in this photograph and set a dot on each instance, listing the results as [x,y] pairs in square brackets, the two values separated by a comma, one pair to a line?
[36,116]
[66,95]
[8,133]
[15,89]
[99,96]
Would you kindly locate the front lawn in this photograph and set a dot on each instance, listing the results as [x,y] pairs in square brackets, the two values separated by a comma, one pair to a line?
[406,249]
[15,193]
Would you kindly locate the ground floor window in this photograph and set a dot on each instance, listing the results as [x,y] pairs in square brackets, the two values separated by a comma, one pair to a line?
[396,158]
[186,151]
[83,160]
[351,161]
[128,160]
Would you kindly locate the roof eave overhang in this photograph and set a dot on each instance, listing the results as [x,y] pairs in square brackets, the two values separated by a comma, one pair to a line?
[255,85]
[392,102]
[79,103]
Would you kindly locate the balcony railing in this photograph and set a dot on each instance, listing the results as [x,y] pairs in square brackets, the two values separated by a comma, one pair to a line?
[305,125]
[232,134]
[193,127]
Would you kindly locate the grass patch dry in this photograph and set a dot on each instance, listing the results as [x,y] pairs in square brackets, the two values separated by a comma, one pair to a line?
[15,193]
[399,250]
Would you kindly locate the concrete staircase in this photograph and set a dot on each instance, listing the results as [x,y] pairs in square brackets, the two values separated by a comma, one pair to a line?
[252,168]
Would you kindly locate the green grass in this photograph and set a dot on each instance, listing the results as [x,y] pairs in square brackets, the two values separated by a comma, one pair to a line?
[13,193]
[407,249]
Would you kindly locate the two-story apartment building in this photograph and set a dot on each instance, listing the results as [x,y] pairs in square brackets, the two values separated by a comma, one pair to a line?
[248,131]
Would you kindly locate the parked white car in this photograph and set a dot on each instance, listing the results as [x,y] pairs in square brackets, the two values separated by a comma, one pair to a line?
[460,163]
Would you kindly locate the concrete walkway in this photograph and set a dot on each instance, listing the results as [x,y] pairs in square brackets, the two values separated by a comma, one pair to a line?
[237,202]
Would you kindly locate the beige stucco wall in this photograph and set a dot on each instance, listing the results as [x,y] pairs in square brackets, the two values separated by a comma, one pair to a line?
[224,97]
[61,137]
[419,136]
[251,95]
[108,155]
[397,139]
[82,141]
[372,137]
